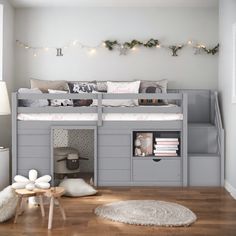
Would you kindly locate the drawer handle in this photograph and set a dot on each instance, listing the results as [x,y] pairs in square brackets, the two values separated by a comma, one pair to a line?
[156,160]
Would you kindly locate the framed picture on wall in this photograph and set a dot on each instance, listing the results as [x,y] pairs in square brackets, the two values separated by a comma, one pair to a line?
[234,65]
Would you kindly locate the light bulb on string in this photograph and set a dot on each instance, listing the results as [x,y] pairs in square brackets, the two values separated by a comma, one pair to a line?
[75,42]
[35,54]
[158,46]
[190,42]
[92,50]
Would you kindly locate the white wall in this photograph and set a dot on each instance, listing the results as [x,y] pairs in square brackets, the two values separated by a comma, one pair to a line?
[227,17]
[8,67]
[54,27]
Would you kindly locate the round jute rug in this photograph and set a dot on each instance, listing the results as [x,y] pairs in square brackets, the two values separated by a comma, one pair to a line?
[147,212]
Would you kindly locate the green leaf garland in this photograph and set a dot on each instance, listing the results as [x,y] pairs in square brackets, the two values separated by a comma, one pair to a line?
[154,43]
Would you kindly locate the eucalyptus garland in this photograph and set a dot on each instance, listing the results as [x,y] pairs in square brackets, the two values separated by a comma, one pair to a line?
[123,48]
[111,45]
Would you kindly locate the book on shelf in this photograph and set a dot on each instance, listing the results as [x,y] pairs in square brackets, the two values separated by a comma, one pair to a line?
[166,154]
[167,142]
[157,146]
[167,139]
[165,151]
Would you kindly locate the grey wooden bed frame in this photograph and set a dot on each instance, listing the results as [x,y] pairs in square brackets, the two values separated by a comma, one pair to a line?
[114,163]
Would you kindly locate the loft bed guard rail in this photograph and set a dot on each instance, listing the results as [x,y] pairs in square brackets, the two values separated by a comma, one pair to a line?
[179,98]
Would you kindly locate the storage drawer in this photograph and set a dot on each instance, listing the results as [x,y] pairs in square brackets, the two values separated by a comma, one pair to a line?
[35,140]
[114,140]
[114,163]
[114,151]
[164,170]
[32,163]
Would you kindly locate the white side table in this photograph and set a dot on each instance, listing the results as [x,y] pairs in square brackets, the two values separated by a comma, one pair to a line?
[4,168]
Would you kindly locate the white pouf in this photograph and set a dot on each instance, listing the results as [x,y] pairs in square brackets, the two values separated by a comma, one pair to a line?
[77,188]
[8,202]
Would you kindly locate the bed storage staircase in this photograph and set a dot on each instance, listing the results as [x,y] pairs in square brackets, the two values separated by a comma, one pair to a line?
[205,139]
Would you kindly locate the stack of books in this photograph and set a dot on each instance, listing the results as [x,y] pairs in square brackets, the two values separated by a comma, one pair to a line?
[166,147]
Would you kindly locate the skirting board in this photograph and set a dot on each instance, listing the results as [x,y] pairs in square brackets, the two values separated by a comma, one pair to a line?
[230,189]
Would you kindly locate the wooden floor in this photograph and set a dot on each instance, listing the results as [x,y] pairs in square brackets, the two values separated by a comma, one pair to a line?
[214,207]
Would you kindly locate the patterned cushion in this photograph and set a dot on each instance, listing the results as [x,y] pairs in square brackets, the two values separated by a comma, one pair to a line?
[153,87]
[59,102]
[82,87]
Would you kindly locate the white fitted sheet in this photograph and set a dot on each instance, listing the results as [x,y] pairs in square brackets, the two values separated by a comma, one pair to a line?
[105,116]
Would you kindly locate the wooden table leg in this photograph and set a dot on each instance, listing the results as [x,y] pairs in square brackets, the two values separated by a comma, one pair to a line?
[61,208]
[50,217]
[22,205]
[41,205]
[18,208]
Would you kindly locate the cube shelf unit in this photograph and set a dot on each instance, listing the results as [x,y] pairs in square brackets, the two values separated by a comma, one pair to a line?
[157,170]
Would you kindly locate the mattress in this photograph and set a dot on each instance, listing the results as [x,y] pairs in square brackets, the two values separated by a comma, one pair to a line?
[105,116]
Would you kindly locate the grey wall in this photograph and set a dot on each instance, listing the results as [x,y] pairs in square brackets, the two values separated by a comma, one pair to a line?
[8,67]
[227,16]
[57,26]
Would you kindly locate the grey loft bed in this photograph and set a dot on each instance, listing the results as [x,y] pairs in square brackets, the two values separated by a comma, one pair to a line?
[114,163]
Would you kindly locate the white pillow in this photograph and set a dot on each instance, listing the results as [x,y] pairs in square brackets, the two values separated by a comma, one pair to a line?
[59,102]
[77,188]
[122,87]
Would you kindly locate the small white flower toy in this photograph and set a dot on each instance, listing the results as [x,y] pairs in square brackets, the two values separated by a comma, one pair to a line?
[32,182]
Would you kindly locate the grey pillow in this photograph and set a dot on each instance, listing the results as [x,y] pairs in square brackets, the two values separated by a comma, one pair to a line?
[30,102]
[159,86]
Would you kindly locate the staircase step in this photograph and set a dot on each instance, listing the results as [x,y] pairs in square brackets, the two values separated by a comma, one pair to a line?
[202,138]
[204,155]
[204,169]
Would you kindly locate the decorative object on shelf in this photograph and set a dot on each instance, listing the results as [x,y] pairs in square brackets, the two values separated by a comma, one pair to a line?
[137,144]
[147,212]
[32,182]
[146,146]
[123,48]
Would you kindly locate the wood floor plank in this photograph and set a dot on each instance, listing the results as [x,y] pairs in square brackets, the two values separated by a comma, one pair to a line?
[214,207]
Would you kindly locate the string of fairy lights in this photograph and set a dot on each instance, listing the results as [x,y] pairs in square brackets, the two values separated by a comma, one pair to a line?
[122,47]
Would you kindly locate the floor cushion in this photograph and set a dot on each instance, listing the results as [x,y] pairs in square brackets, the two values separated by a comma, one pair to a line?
[77,188]
[8,201]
